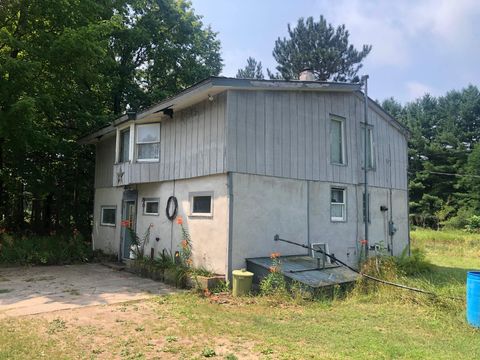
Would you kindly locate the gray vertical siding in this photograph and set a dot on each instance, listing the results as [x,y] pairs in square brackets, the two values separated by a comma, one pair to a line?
[191,144]
[104,159]
[286,134]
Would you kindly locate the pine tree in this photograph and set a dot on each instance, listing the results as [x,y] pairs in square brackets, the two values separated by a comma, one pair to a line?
[320,47]
[253,70]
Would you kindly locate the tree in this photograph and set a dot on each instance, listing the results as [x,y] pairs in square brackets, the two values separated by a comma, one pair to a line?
[68,68]
[320,47]
[160,48]
[253,70]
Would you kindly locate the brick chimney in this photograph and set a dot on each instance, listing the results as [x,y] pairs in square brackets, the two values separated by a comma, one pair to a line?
[307,75]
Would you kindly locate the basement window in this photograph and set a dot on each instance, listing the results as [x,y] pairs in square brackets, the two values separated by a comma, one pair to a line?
[148,142]
[108,215]
[201,204]
[151,206]
[338,204]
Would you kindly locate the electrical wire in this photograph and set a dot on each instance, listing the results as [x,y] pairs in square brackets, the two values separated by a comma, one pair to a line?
[373,278]
[444,173]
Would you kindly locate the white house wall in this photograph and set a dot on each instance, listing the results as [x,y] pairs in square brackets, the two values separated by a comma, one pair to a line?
[299,210]
[106,237]
[209,234]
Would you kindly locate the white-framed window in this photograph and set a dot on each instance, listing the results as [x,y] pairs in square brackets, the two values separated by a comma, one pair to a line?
[124,151]
[338,204]
[151,206]
[370,148]
[148,142]
[201,203]
[337,140]
[108,215]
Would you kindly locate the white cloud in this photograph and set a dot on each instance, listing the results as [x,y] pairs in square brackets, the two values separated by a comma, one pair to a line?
[417,89]
[392,27]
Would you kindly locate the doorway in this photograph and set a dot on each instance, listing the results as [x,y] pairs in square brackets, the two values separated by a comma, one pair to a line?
[128,214]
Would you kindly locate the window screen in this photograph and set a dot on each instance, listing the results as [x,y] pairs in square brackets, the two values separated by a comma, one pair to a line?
[151,207]
[108,215]
[336,141]
[124,145]
[202,205]
[337,204]
[148,142]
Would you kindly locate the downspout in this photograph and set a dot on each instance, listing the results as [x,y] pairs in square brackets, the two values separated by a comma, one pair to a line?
[365,168]
[230,225]
[308,217]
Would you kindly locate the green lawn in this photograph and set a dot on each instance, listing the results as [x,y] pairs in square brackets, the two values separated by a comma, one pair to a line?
[389,324]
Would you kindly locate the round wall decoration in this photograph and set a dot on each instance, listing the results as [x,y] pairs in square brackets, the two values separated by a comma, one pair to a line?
[172,208]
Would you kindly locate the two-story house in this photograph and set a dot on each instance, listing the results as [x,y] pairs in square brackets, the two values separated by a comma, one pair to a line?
[248,159]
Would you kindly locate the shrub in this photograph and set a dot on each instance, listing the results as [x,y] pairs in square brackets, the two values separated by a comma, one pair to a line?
[44,250]
[414,264]
[473,224]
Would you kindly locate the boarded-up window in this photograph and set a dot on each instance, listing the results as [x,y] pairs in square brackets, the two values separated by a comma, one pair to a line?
[337,143]
[148,142]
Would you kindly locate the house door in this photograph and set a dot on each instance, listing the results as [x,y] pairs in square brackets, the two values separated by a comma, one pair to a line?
[128,213]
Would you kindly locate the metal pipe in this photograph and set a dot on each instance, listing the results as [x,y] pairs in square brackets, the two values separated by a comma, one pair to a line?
[365,158]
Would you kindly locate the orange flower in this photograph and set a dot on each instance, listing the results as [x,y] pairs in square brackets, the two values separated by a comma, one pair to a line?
[275,255]
[273,269]
[189,262]
[125,223]
[179,220]
[184,244]
[363,242]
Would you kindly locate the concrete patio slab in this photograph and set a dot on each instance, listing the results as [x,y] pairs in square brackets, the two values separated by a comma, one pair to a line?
[39,289]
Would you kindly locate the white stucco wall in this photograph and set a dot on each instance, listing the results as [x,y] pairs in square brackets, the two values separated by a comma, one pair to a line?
[107,238]
[264,206]
[209,234]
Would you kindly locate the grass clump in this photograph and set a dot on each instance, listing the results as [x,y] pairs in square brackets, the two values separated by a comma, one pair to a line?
[44,250]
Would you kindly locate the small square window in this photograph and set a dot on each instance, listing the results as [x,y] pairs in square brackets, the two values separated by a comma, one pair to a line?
[337,204]
[201,204]
[108,215]
[151,206]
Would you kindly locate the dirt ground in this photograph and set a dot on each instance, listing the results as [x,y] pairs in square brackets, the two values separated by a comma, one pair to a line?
[40,289]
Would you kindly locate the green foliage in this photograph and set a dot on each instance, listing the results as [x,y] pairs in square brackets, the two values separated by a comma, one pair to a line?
[321,47]
[253,70]
[444,131]
[473,224]
[414,264]
[274,283]
[69,67]
[43,250]
[208,352]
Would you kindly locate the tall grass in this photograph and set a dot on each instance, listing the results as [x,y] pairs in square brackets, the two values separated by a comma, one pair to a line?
[43,250]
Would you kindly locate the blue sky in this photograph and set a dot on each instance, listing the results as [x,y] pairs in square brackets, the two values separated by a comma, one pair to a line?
[418,46]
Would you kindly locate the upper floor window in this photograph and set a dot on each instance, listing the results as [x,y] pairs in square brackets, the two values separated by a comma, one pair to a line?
[370,147]
[124,146]
[148,142]
[337,140]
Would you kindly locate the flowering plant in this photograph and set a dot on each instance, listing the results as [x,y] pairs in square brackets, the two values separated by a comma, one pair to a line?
[186,245]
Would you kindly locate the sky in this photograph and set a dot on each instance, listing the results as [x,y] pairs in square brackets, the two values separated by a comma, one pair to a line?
[423,46]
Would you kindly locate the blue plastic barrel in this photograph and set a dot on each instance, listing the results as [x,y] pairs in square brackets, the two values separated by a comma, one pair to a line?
[473,298]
